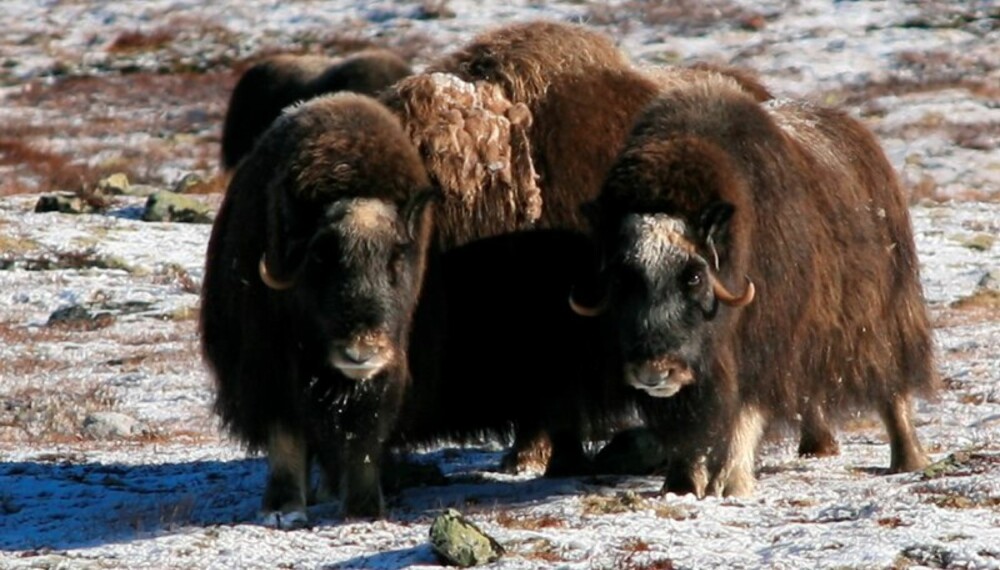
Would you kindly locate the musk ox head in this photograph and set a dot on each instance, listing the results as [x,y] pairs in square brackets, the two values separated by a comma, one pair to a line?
[666,294]
[358,280]
[347,214]
[666,230]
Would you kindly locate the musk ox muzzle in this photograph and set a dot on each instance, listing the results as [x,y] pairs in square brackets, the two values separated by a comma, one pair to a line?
[659,377]
[363,356]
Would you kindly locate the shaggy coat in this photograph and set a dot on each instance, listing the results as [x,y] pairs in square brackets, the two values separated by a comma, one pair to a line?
[582,96]
[276,82]
[318,258]
[334,184]
[713,188]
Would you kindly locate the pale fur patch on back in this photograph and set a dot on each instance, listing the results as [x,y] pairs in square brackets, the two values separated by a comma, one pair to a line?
[683,78]
[474,142]
[799,122]
[657,240]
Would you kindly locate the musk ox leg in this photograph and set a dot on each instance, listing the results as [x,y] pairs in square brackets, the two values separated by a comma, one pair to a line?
[816,437]
[360,480]
[284,504]
[531,452]
[734,475]
[325,490]
[568,458]
[686,475]
[907,454]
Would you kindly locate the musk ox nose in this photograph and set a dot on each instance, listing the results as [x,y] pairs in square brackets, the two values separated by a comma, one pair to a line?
[362,357]
[660,378]
[361,352]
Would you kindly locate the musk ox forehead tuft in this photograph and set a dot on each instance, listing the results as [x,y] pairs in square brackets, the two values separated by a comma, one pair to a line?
[655,238]
[364,218]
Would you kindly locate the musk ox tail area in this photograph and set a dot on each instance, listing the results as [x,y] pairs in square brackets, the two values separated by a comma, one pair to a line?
[276,82]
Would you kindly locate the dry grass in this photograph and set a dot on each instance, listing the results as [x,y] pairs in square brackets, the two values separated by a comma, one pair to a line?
[635,548]
[981,299]
[540,549]
[681,17]
[50,259]
[138,41]
[509,520]
[630,501]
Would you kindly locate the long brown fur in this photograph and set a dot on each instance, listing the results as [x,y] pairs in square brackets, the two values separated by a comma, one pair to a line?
[273,83]
[822,229]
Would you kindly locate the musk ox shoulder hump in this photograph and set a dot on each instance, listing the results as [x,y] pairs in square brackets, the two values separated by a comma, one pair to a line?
[525,58]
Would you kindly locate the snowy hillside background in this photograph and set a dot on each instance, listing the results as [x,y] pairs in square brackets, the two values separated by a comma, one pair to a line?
[110,457]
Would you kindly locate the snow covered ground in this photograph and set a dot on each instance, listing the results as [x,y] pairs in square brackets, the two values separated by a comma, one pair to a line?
[110,457]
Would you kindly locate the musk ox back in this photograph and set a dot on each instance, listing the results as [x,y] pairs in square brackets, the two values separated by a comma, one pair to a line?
[333,188]
[276,82]
[762,264]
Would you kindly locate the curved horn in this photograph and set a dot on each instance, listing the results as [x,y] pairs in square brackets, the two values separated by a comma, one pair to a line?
[584,310]
[727,298]
[270,281]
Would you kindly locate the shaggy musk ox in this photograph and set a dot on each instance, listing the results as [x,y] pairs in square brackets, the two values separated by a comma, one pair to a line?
[761,263]
[276,82]
[333,185]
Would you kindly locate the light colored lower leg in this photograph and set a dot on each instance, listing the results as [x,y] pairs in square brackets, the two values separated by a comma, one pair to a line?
[907,454]
[735,476]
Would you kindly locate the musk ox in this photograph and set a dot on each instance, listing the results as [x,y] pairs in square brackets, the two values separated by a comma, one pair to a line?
[276,82]
[796,209]
[583,97]
[315,337]
[326,177]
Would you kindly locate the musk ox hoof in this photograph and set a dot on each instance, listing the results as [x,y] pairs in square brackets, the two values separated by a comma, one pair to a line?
[819,447]
[531,457]
[737,483]
[363,507]
[914,462]
[290,520]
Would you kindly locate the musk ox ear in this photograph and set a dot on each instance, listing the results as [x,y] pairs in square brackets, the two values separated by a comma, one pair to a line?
[418,214]
[713,227]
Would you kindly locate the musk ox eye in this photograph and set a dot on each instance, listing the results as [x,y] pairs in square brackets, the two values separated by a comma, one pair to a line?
[693,278]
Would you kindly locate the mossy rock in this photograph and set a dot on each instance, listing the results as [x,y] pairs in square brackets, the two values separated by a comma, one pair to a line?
[164,206]
[459,542]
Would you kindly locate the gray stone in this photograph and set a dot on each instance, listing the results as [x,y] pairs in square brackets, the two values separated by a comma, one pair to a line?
[990,280]
[164,206]
[110,425]
[114,184]
[459,542]
[188,181]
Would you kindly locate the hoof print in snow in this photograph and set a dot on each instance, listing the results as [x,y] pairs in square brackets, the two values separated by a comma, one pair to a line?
[459,542]
[164,206]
